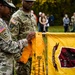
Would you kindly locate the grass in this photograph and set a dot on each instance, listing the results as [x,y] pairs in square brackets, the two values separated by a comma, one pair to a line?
[56,29]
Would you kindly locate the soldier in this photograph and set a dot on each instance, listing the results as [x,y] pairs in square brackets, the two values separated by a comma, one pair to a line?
[21,23]
[73,22]
[9,49]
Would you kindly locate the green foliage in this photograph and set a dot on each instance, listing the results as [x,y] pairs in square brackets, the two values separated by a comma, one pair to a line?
[56,7]
[16,1]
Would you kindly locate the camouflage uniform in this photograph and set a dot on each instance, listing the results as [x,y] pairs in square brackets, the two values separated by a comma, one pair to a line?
[21,24]
[8,50]
[73,23]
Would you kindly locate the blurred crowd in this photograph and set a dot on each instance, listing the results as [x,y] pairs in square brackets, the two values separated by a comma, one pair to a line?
[43,21]
[69,23]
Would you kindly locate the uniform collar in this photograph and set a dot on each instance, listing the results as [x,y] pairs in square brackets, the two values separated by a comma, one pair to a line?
[26,13]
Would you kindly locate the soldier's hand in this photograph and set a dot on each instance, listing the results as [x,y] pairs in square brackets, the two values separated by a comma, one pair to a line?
[30,36]
[23,43]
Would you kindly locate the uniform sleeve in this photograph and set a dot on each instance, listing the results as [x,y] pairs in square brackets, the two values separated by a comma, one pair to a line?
[7,45]
[12,47]
[14,27]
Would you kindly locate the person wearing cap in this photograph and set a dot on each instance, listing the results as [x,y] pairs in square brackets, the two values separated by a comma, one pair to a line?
[9,49]
[21,23]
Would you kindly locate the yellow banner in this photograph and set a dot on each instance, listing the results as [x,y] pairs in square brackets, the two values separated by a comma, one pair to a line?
[61,53]
[59,59]
[38,59]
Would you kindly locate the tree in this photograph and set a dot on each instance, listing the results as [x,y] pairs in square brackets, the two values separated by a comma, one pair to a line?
[56,7]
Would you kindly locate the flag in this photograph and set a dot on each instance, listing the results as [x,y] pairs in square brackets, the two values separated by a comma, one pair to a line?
[38,58]
[61,53]
[2,29]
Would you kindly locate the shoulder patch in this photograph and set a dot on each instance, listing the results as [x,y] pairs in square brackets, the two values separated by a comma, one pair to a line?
[2,29]
[13,21]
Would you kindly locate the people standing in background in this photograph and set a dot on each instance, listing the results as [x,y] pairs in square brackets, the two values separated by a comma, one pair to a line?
[22,23]
[34,17]
[43,22]
[73,22]
[66,22]
[48,24]
[39,26]
[51,20]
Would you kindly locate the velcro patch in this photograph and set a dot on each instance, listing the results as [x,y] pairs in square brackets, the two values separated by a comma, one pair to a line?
[2,29]
[13,21]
